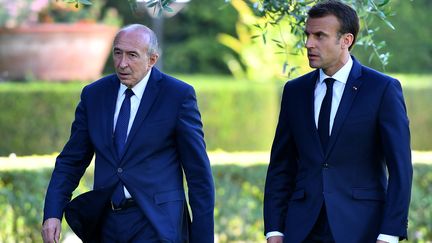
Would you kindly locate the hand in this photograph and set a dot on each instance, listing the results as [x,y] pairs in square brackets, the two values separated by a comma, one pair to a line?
[51,229]
[275,239]
[381,241]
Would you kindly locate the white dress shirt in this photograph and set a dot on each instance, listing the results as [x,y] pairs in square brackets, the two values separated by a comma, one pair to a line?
[341,77]
[138,90]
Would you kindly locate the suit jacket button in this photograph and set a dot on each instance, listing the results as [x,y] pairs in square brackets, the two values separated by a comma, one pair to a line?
[119,170]
[325,165]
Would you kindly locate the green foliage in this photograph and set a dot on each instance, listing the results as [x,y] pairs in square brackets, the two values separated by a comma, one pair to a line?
[409,44]
[77,2]
[239,197]
[188,40]
[295,12]
[238,212]
[20,205]
[253,57]
[420,216]
[190,43]
[418,105]
[237,115]
[417,92]
[22,194]
[36,119]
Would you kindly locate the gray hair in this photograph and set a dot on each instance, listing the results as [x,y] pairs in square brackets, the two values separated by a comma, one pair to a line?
[153,45]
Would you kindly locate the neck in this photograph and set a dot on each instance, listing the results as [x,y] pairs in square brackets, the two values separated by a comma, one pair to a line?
[340,63]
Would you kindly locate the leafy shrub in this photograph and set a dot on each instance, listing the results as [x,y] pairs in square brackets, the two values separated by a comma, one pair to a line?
[189,38]
[237,116]
[419,112]
[238,212]
[420,215]
[36,118]
[411,34]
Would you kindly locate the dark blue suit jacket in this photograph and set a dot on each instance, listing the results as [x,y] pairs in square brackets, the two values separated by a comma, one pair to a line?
[364,177]
[166,139]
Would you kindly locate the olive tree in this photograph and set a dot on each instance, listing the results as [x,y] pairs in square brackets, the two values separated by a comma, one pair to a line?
[295,12]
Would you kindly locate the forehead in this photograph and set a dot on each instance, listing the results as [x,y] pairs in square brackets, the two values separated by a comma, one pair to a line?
[326,24]
[131,41]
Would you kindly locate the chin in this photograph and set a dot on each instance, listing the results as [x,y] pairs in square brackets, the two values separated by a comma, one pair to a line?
[313,65]
[126,82]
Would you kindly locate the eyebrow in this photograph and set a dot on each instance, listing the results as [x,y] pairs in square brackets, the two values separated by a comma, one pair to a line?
[119,49]
[315,33]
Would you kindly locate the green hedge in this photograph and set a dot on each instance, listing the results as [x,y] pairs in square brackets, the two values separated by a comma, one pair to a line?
[238,212]
[419,108]
[238,116]
[36,118]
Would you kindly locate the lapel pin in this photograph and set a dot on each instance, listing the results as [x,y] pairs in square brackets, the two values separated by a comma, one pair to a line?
[355,88]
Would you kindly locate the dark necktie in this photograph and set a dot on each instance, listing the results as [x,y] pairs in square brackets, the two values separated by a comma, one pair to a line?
[120,136]
[324,115]
[120,132]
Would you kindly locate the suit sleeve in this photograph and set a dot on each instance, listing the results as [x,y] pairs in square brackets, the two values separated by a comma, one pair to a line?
[281,173]
[196,165]
[70,165]
[395,140]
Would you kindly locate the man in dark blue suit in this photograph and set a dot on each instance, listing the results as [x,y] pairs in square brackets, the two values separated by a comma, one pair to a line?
[145,131]
[340,167]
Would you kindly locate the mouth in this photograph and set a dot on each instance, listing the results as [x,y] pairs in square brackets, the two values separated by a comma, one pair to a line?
[122,74]
[312,56]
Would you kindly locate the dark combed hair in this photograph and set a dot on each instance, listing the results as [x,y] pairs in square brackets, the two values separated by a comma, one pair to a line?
[347,16]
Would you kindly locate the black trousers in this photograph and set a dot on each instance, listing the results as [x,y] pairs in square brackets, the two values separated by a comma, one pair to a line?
[321,232]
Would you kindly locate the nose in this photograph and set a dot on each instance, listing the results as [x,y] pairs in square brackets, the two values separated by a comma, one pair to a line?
[123,62]
[308,43]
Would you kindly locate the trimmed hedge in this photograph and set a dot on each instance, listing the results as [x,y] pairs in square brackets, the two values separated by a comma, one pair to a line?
[238,212]
[36,118]
[419,108]
[238,116]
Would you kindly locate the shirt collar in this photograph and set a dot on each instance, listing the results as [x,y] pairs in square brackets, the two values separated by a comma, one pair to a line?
[341,75]
[139,88]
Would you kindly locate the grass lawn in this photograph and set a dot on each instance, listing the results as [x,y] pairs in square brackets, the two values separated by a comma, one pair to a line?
[216,158]
[414,81]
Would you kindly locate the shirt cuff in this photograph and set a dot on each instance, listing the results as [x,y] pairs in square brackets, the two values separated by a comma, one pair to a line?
[273,233]
[388,238]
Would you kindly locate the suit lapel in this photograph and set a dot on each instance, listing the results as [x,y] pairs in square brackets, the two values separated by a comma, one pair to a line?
[150,94]
[351,89]
[310,113]
[108,114]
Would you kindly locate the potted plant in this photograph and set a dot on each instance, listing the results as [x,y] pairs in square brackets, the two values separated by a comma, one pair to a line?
[52,40]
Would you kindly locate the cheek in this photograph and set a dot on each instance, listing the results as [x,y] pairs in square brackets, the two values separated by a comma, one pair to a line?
[116,61]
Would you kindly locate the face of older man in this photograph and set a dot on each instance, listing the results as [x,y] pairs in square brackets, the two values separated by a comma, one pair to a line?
[131,58]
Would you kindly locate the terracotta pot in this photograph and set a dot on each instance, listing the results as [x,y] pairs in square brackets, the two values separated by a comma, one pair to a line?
[55,52]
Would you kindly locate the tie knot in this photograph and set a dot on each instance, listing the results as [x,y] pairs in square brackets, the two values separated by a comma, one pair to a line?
[329,81]
[129,93]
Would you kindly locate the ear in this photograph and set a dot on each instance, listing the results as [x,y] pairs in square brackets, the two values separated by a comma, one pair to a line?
[347,40]
[153,59]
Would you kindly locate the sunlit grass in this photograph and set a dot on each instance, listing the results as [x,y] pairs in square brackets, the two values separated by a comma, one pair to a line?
[407,80]
[414,81]
[216,158]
